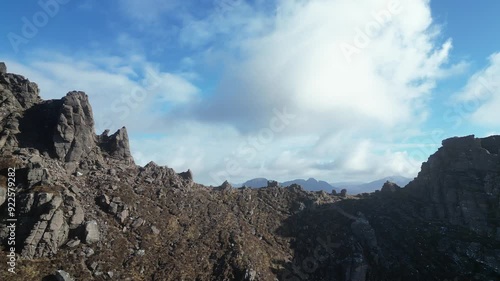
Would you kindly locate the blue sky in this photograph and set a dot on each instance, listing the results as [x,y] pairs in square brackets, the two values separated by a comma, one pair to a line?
[338,90]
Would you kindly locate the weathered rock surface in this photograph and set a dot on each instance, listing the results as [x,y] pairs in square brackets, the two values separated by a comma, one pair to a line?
[42,214]
[3,195]
[188,175]
[17,94]
[62,275]
[74,133]
[390,187]
[3,68]
[461,184]
[92,234]
[76,212]
[225,186]
[116,145]
[37,175]
[63,129]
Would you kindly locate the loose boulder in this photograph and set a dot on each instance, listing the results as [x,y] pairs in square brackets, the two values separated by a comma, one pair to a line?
[91,232]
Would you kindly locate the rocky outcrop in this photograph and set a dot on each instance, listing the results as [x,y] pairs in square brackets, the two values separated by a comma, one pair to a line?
[37,174]
[187,175]
[3,68]
[49,230]
[62,275]
[152,173]
[116,145]
[17,94]
[343,192]
[272,183]
[74,134]
[62,129]
[390,187]
[461,184]
[225,186]
[47,217]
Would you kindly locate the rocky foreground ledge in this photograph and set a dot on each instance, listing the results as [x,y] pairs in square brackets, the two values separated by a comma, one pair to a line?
[85,211]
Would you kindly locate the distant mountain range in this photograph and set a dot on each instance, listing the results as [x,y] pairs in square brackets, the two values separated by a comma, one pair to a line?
[312,184]
[357,187]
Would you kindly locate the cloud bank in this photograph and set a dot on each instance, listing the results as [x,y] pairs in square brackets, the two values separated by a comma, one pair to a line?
[295,88]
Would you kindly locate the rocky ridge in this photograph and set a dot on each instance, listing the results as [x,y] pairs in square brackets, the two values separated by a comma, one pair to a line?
[86,212]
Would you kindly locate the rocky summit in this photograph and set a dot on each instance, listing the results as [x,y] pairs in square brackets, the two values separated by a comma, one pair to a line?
[85,211]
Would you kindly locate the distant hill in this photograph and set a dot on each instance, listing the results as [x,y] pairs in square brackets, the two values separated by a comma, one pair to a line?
[356,187]
[253,183]
[311,184]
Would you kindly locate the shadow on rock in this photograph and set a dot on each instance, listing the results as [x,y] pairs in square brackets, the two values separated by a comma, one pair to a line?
[380,238]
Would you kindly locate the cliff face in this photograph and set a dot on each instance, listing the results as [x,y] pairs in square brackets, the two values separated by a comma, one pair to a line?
[61,129]
[17,95]
[444,225]
[85,208]
[460,184]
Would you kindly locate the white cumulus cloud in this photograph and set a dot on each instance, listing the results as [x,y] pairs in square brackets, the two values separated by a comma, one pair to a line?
[480,98]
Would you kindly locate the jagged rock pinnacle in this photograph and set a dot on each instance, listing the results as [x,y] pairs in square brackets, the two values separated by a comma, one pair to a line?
[3,67]
[63,129]
[74,133]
